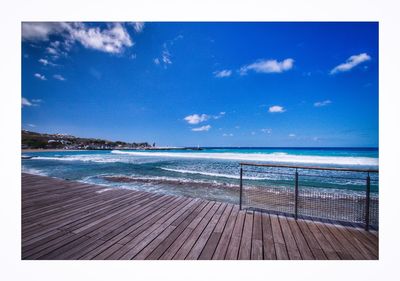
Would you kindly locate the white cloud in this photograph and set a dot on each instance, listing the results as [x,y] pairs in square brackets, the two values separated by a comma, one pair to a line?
[31,125]
[266,130]
[223,73]
[227,135]
[351,62]
[33,31]
[138,26]
[292,135]
[40,76]
[112,39]
[34,102]
[268,66]
[25,102]
[276,109]
[196,118]
[322,103]
[59,77]
[166,57]
[221,114]
[46,62]
[202,128]
[253,133]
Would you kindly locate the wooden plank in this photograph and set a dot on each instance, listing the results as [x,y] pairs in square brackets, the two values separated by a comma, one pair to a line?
[166,225]
[327,248]
[191,240]
[69,220]
[301,242]
[354,237]
[257,239]
[346,245]
[197,248]
[222,246]
[177,244]
[232,252]
[128,235]
[245,241]
[56,245]
[209,248]
[268,238]
[131,222]
[279,242]
[65,248]
[312,242]
[293,251]
[339,249]
[159,245]
[164,229]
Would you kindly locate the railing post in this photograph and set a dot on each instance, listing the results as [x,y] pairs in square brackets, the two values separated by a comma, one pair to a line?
[296,194]
[367,199]
[241,187]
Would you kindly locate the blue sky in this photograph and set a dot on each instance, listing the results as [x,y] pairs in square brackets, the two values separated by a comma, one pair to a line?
[207,84]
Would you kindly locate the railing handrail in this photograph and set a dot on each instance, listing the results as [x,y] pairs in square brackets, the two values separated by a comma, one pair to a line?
[310,167]
[368,183]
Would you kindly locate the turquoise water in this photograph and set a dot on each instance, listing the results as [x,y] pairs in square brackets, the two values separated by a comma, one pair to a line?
[212,173]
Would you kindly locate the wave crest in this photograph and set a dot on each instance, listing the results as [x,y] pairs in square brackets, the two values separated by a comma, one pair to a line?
[261,157]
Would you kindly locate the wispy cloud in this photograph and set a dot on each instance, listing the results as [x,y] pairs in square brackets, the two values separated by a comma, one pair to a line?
[227,135]
[112,39]
[276,109]
[266,130]
[59,77]
[202,128]
[219,115]
[138,26]
[166,58]
[34,31]
[322,103]
[46,62]
[31,125]
[268,66]
[223,73]
[196,118]
[350,63]
[40,76]
[292,135]
[26,102]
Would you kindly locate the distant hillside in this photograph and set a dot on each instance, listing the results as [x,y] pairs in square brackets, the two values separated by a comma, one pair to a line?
[33,140]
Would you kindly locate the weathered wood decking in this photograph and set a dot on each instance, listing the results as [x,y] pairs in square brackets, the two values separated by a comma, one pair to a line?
[71,220]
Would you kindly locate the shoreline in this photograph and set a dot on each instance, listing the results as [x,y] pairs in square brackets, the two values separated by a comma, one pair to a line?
[27,150]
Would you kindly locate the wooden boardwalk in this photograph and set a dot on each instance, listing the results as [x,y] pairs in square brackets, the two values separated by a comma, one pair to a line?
[71,220]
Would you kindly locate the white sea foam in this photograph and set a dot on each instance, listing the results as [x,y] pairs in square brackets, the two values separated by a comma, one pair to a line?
[33,171]
[99,158]
[262,157]
[212,174]
[84,158]
[163,179]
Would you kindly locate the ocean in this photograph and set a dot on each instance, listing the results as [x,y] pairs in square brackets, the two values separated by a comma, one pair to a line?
[211,173]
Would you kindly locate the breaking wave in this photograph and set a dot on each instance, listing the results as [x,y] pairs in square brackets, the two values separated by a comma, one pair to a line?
[263,157]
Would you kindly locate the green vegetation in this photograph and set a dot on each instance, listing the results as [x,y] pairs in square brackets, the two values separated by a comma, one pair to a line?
[33,140]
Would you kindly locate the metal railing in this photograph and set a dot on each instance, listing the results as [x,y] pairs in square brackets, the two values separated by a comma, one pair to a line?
[334,194]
